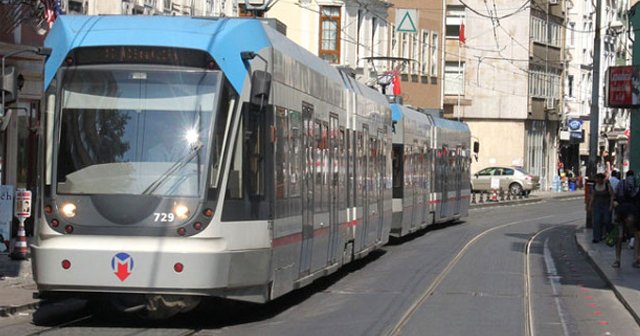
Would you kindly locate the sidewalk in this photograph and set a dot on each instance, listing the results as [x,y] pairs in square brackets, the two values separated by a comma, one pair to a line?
[17,286]
[625,281]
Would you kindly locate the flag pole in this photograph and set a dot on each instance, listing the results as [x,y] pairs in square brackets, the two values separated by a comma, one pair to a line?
[460,42]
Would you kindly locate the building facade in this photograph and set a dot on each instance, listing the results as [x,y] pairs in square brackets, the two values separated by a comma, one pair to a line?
[614,51]
[504,79]
[21,32]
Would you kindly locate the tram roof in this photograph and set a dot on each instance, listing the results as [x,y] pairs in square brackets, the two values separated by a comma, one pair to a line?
[450,124]
[398,111]
[223,38]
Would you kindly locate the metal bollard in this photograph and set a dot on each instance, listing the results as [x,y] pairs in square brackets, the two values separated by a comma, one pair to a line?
[501,194]
[473,198]
[482,197]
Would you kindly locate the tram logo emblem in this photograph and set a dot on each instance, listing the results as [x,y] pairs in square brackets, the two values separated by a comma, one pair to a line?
[122,265]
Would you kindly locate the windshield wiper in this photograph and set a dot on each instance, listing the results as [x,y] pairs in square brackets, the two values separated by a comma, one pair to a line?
[193,152]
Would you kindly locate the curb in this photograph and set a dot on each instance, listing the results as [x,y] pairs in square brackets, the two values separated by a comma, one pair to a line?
[604,277]
[531,199]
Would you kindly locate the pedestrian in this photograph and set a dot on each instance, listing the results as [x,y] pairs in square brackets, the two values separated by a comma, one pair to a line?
[627,216]
[600,206]
[614,180]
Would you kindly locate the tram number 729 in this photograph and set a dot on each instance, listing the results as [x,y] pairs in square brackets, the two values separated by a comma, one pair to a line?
[163,217]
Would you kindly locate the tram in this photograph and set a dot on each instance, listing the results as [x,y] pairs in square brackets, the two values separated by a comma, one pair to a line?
[431,170]
[187,157]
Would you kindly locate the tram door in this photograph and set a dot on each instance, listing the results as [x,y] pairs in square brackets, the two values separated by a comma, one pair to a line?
[335,187]
[415,184]
[363,160]
[458,172]
[380,179]
[444,181]
[428,167]
[308,145]
[424,175]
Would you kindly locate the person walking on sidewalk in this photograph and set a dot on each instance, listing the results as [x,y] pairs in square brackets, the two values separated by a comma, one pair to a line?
[628,216]
[600,206]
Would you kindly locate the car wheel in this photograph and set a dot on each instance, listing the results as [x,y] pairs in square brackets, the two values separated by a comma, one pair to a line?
[516,189]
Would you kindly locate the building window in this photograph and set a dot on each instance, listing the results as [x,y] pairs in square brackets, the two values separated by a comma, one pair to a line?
[394,44]
[415,51]
[424,61]
[453,78]
[244,12]
[570,85]
[545,84]
[434,55]
[404,50]
[374,31]
[455,15]
[330,33]
[572,34]
[75,7]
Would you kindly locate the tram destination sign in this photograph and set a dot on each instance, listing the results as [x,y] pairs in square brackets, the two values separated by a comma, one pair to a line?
[623,86]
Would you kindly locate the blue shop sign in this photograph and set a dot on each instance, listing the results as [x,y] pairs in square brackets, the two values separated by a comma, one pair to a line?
[574,124]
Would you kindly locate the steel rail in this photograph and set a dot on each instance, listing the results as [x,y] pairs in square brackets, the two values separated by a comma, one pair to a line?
[438,280]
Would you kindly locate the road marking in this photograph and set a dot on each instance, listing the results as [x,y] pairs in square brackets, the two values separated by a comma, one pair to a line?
[554,280]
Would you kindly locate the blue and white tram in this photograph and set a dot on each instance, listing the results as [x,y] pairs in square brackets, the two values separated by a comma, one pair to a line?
[431,159]
[186,157]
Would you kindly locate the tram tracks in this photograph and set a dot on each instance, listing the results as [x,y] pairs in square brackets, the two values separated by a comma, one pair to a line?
[85,321]
[429,291]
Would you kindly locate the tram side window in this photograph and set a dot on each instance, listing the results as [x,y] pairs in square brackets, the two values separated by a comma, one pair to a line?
[359,173]
[282,169]
[246,182]
[319,165]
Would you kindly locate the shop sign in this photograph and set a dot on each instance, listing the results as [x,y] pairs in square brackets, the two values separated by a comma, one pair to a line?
[623,86]
[6,216]
[574,124]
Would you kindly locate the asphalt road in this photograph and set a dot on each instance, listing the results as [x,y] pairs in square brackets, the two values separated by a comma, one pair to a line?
[511,270]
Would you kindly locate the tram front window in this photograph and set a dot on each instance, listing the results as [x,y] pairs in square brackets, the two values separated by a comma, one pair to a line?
[135,129]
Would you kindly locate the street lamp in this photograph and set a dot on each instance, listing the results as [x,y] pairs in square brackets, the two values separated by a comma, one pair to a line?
[38,51]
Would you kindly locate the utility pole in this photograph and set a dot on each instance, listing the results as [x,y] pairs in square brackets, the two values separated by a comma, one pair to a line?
[594,119]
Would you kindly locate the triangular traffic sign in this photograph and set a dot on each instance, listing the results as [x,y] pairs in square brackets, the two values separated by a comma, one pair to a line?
[406,24]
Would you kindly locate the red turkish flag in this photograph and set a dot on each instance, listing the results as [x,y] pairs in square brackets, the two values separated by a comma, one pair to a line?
[396,84]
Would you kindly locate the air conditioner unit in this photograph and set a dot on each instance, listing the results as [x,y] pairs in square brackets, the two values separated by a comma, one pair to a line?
[550,104]
[553,2]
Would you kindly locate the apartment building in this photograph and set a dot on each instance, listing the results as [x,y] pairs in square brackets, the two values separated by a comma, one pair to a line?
[505,82]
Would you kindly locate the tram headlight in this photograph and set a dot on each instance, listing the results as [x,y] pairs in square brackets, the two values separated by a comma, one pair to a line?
[69,210]
[181,211]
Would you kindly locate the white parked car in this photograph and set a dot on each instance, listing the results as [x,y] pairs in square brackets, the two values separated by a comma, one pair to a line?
[514,179]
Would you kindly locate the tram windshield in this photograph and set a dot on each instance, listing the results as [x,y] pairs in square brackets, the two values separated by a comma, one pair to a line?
[135,129]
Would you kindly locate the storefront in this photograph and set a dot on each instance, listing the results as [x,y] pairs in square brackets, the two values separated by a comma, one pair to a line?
[19,127]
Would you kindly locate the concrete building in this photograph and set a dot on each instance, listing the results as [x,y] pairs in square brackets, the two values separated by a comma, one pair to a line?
[614,51]
[505,81]
[422,80]
[346,33]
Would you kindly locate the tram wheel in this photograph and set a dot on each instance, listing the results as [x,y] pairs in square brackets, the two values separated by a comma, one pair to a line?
[165,306]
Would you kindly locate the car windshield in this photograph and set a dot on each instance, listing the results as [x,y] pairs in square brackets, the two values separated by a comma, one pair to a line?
[135,130]
[521,170]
